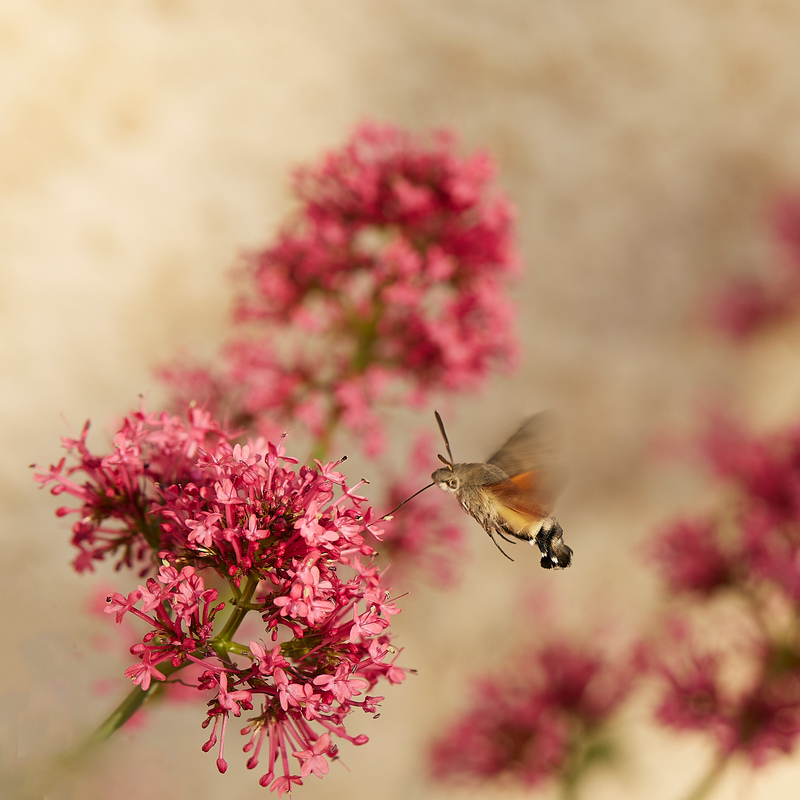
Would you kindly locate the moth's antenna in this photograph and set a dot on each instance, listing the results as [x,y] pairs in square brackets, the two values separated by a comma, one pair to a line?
[446,442]
[389,515]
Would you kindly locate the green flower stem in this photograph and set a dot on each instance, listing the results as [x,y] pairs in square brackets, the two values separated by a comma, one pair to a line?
[240,650]
[709,780]
[221,643]
[137,697]
[31,782]
[128,707]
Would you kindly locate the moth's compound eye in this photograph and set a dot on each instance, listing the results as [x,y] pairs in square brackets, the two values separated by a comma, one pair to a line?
[452,483]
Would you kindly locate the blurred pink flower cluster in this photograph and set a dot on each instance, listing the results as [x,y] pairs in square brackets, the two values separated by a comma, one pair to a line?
[178,498]
[744,687]
[543,718]
[425,534]
[389,282]
[748,305]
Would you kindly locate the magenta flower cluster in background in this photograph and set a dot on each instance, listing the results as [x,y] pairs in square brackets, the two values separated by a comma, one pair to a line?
[724,662]
[741,686]
[543,717]
[179,501]
[389,282]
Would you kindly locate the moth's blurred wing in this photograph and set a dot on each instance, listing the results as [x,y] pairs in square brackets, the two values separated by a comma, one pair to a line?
[532,459]
[516,503]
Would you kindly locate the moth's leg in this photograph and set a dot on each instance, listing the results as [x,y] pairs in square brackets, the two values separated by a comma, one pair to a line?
[502,535]
[494,541]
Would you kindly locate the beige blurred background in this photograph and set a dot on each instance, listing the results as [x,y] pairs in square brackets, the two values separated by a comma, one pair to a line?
[143,144]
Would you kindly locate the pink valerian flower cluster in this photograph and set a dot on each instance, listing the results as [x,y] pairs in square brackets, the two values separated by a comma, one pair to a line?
[389,282]
[749,305]
[759,542]
[540,720]
[749,554]
[177,496]
[423,535]
[760,719]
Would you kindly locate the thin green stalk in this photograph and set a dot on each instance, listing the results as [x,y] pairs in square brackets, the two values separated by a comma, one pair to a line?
[32,781]
[709,780]
[135,699]
[225,637]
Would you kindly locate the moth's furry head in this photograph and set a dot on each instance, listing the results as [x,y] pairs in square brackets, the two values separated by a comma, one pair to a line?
[455,478]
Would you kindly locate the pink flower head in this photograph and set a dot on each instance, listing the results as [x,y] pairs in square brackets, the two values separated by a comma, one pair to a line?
[177,498]
[526,722]
[759,718]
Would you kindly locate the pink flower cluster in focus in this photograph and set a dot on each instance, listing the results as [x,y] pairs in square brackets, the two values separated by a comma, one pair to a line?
[389,282]
[538,720]
[746,694]
[179,498]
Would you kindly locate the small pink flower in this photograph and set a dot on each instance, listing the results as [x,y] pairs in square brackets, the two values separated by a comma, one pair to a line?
[366,625]
[313,760]
[232,701]
[141,674]
[267,661]
[341,685]
[119,604]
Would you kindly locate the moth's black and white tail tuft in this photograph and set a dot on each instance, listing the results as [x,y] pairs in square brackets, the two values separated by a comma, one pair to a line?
[550,540]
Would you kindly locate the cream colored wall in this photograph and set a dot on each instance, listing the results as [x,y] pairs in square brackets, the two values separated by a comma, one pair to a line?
[142,144]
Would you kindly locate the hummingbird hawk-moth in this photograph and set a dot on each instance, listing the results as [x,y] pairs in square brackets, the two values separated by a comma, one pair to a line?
[513,493]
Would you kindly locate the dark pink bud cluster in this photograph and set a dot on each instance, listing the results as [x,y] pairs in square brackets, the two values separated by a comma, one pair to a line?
[532,722]
[744,690]
[395,269]
[180,498]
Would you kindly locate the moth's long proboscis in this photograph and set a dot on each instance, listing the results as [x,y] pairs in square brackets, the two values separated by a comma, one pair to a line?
[389,515]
